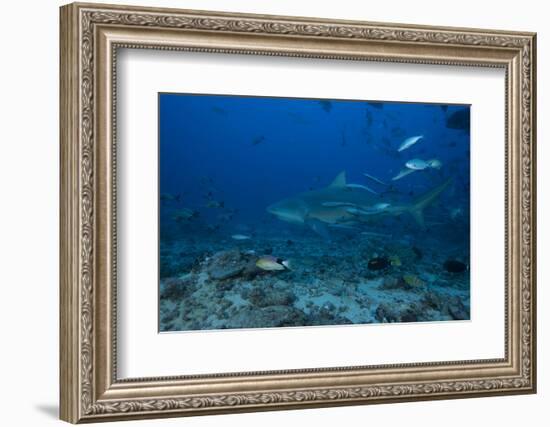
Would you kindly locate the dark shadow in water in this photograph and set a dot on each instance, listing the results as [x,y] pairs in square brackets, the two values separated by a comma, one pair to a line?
[49,409]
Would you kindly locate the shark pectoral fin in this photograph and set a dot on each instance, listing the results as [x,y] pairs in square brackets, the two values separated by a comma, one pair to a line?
[319,227]
[417,208]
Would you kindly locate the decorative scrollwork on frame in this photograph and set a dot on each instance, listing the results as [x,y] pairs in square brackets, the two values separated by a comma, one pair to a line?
[323,395]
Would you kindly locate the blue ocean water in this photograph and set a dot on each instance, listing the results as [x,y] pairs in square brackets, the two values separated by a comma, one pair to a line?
[358,253]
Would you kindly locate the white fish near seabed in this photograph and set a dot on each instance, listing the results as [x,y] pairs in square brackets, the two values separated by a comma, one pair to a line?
[240,237]
[361,187]
[417,164]
[271,263]
[214,204]
[414,165]
[402,173]
[409,142]
[184,214]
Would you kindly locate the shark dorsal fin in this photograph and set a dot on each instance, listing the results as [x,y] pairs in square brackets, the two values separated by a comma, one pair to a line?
[339,181]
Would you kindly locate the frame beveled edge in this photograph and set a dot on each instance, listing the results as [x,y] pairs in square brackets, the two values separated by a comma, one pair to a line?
[89,36]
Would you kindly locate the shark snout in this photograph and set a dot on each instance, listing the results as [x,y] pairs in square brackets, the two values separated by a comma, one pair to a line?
[277,210]
[271,209]
[288,211]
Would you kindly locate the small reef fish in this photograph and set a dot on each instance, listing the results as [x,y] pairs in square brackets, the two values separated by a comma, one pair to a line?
[374,178]
[184,214]
[361,187]
[414,165]
[240,237]
[413,280]
[167,197]
[417,164]
[454,266]
[214,204]
[271,263]
[409,142]
[395,261]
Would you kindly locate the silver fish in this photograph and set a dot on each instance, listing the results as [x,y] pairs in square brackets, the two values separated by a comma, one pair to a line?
[409,142]
[240,237]
[417,164]
[184,214]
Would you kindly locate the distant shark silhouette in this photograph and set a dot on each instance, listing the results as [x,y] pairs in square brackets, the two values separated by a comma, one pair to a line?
[340,205]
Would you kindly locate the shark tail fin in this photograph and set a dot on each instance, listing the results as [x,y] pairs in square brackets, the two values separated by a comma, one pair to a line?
[417,208]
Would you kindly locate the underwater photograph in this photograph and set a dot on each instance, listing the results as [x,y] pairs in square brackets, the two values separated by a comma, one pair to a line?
[292,212]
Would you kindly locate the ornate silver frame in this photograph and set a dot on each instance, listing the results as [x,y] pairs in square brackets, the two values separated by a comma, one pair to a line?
[90,36]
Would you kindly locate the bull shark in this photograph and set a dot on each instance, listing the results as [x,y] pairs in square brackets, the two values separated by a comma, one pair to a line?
[341,205]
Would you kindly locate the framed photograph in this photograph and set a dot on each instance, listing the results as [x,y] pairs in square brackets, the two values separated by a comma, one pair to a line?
[266,212]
